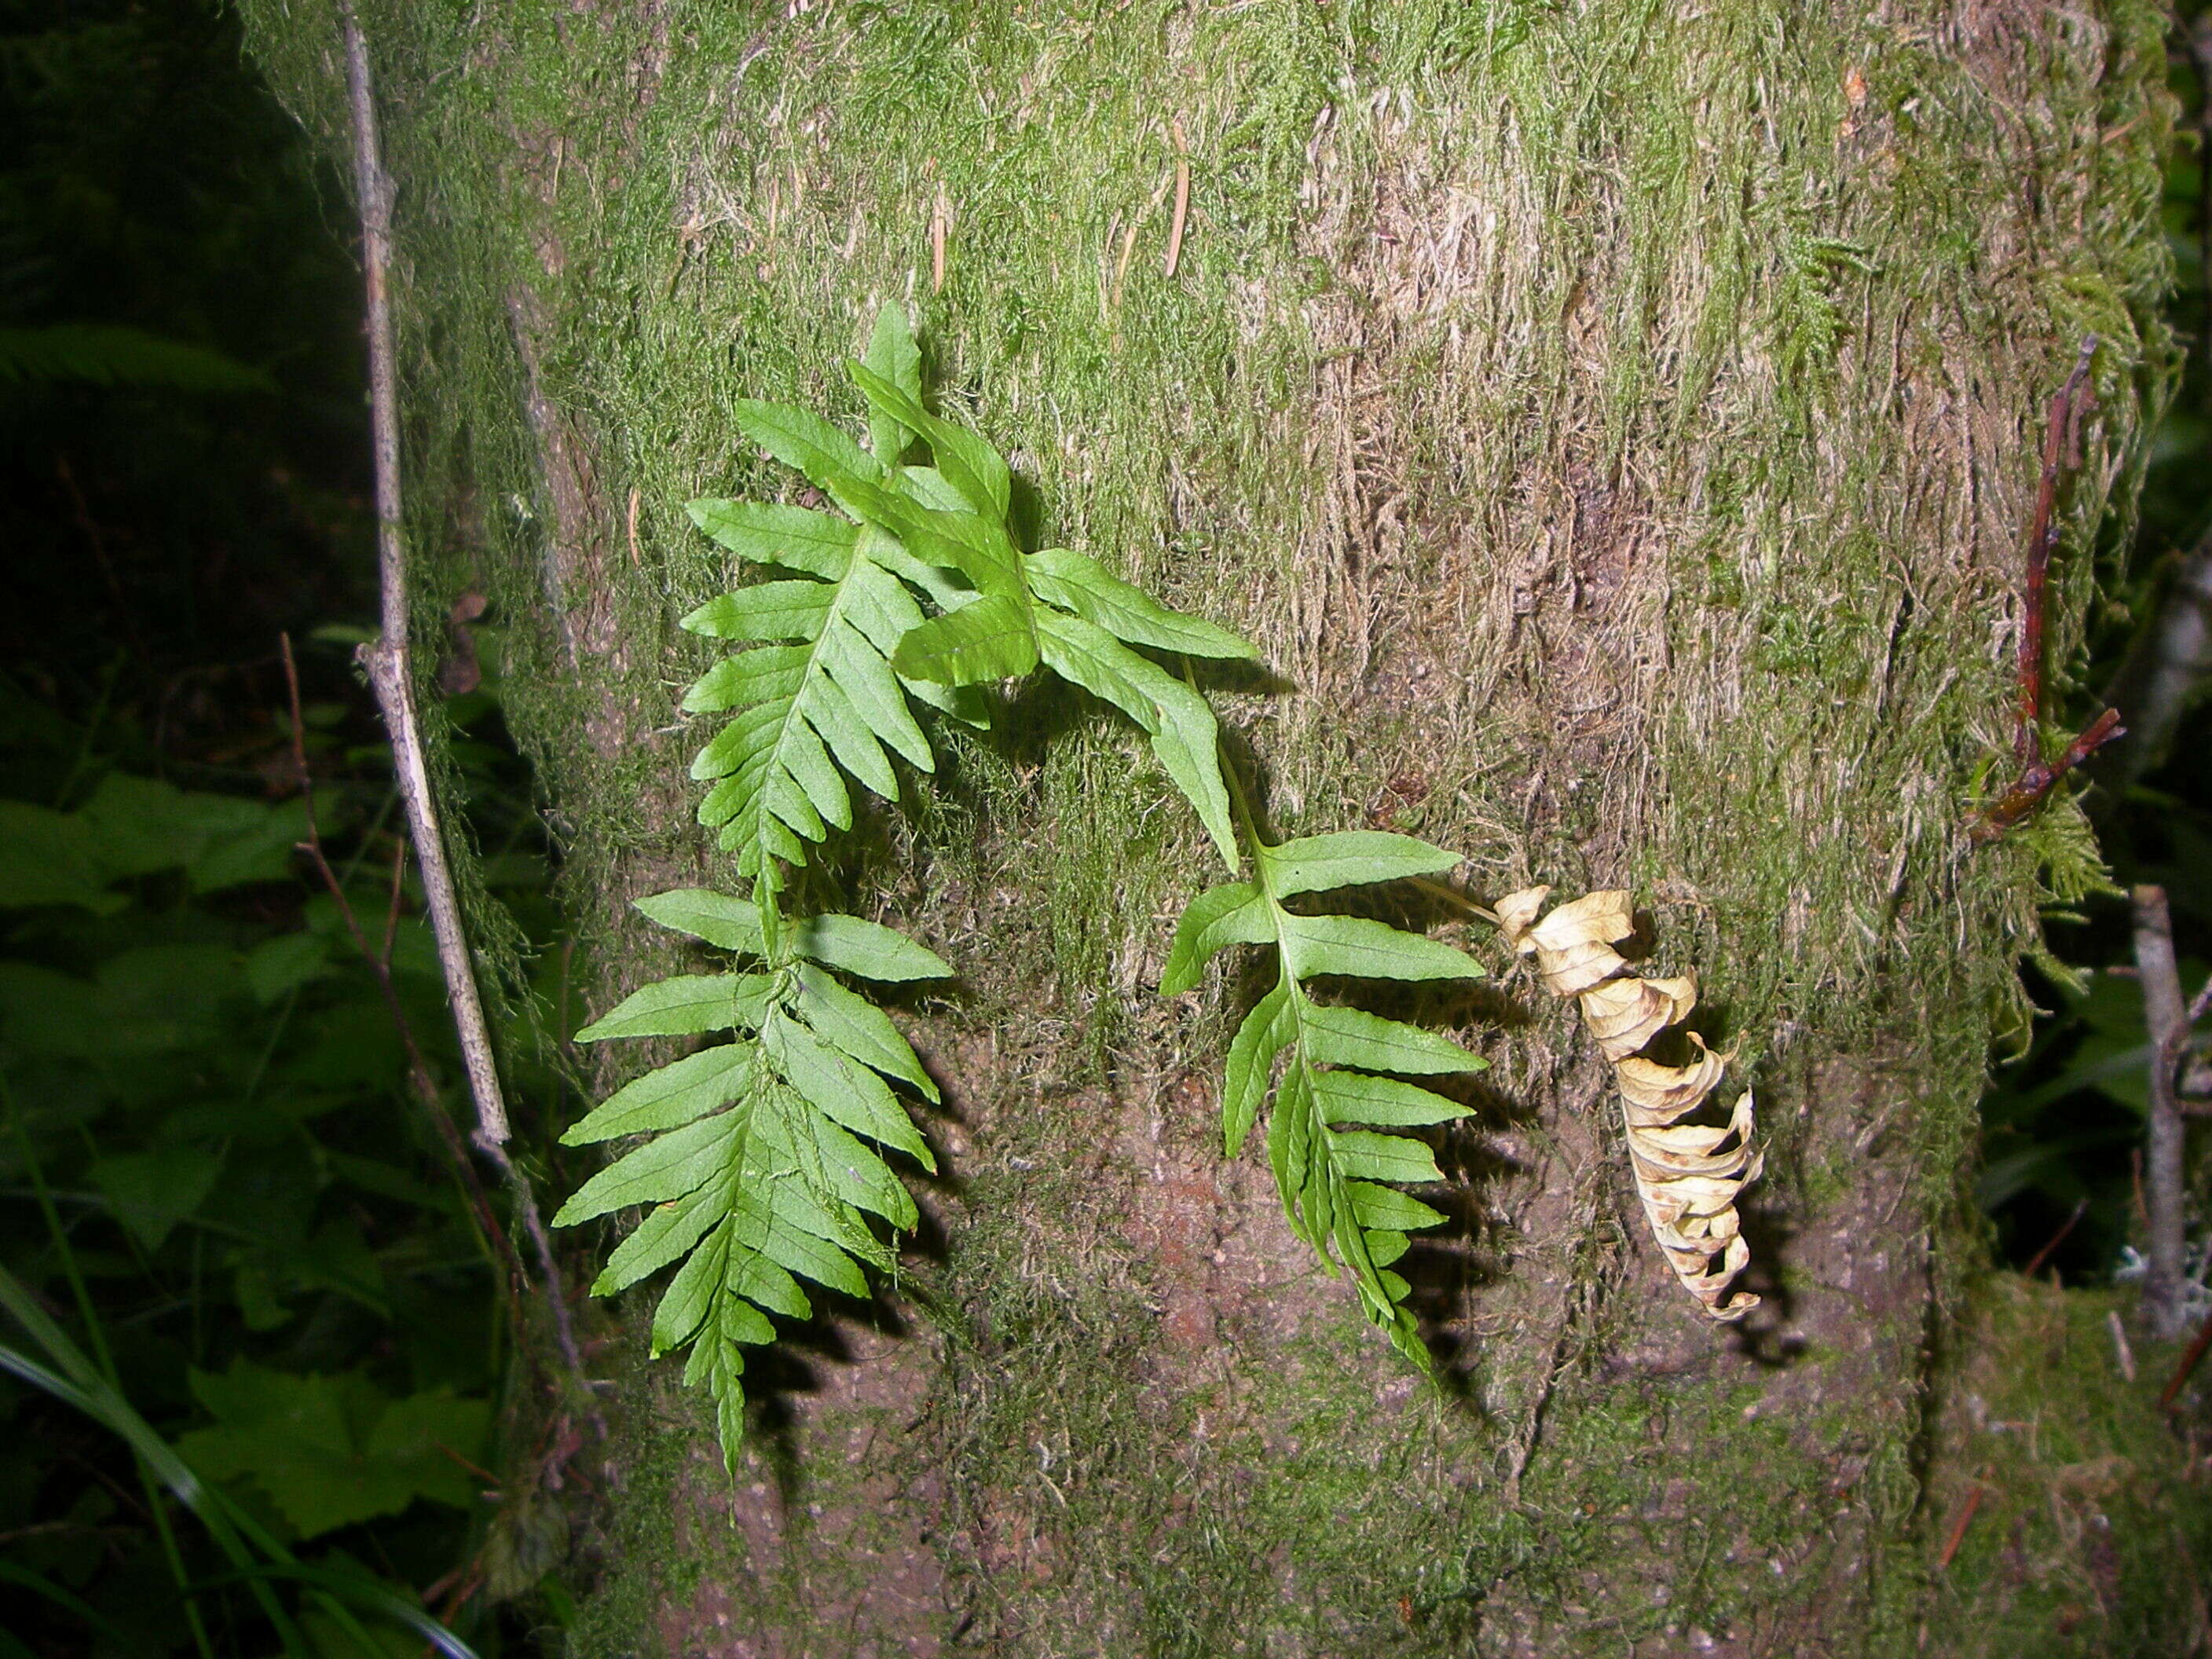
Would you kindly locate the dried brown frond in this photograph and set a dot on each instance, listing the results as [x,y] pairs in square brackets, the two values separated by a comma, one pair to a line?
[1688,1174]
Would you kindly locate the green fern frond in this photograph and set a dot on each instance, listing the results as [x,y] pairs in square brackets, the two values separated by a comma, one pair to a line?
[817,698]
[112,354]
[849,635]
[767,1157]
[1338,1183]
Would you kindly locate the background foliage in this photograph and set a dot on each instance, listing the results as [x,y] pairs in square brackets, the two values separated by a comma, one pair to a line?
[214,1173]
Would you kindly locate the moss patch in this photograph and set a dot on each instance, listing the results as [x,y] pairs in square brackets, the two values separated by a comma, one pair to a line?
[1615,423]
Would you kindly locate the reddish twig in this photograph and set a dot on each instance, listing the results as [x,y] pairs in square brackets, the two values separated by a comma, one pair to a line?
[2035,1263]
[2181,1377]
[2037,777]
[1958,1535]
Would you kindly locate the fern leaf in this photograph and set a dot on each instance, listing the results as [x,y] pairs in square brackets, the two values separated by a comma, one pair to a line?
[1336,1174]
[813,711]
[768,1152]
[1079,584]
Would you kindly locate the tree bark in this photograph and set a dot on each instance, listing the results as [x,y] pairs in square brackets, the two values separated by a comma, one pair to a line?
[1617,423]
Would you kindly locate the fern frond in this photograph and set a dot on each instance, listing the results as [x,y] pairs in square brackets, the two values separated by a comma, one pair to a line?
[1337,1183]
[1056,607]
[819,703]
[941,531]
[767,1159]
[103,353]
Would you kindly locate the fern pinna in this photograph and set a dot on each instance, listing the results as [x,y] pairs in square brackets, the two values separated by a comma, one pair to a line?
[769,1164]
[1336,1060]
[762,1173]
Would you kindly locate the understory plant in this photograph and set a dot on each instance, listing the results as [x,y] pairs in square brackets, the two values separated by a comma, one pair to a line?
[768,1167]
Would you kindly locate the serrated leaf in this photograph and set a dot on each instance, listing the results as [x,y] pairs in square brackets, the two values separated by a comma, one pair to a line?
[1266,1032]
[660,1172]
[1331,1179]
[1179,721]
[760,533]
[969,465]
[867,948]
[765,674]
[1074,581]
[893,355]
[804,440]
[1350,857]
[1366,1155]
[688,1005]
[850,1172]
[990,639]
[675,1094]
[1233,913]
[1356,948]
[663,1237]
[843,1088]
[1386,1208]
[812,712]
[857,1027]
[766,610]
[1360,1097]
[720,919]
[1338,1036]
[690,1296]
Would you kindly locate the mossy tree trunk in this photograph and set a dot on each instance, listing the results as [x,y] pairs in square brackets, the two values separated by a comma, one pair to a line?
[1616,421]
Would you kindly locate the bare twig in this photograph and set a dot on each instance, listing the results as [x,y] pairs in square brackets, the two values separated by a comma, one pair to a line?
[391,677]
[2035,1263]
[2060,439]
[2175,1383]
[2042,542]
[2162,1177]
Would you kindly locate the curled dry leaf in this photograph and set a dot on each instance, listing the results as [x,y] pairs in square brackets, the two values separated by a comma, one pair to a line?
[1688,1174]
[1573,945]
[1625,1014]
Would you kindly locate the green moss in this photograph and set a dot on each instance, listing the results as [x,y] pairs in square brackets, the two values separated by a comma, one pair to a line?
[1535,385]
[2090,1535]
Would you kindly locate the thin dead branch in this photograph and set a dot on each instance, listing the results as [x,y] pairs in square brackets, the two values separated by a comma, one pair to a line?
[391,676]
[2162,1159]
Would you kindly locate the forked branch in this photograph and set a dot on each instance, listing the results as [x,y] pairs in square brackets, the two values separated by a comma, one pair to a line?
[2062,438]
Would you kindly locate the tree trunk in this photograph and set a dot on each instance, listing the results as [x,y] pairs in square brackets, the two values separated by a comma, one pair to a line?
[1617,423]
